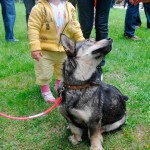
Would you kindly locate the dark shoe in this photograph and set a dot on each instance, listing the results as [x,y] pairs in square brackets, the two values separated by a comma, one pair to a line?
[134,38]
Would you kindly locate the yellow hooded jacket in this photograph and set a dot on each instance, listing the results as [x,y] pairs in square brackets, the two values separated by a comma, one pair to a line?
[42,31]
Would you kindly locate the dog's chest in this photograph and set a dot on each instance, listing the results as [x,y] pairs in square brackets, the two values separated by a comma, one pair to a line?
[83,115]
[81,105]
[77,116]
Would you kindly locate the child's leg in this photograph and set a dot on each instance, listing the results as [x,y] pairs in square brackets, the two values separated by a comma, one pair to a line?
[47,94]
[58,68]
[44,73]
[45,88]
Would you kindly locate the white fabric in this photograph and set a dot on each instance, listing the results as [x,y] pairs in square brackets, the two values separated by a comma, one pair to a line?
[48,97]
[59,14]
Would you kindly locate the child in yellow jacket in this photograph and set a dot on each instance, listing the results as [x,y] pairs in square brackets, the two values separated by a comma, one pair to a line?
[48,19]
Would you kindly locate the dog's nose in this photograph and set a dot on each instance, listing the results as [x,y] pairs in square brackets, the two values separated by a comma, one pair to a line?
[110,40]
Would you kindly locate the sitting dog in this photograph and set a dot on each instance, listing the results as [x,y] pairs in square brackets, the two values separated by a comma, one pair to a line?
[87,105]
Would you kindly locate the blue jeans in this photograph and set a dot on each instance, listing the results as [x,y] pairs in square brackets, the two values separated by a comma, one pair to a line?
[138,20]
[9,16]
[132,13]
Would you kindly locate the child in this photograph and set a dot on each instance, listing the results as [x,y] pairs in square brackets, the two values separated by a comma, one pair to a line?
[48,19]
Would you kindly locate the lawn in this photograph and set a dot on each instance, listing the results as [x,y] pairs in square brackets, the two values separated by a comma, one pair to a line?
[127,67]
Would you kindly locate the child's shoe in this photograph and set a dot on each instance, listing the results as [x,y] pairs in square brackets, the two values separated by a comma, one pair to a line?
[48,97]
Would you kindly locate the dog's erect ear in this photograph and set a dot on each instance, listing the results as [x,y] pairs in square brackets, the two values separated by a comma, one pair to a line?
[68,44]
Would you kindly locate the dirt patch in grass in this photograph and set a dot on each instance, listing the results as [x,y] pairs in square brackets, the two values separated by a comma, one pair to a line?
[142,134]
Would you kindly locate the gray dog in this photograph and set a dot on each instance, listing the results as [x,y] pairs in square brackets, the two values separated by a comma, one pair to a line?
[88,106]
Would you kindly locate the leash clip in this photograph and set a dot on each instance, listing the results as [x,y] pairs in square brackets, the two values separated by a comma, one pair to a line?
[61,91]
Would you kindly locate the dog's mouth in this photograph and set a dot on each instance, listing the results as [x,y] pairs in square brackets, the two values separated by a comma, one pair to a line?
[103,47]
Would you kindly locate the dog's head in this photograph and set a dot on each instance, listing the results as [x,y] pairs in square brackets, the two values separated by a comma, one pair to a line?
[83,57]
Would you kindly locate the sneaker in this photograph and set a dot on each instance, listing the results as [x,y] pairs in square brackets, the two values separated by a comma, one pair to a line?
[137,27]
[12,40]
[134,38]
[48,97]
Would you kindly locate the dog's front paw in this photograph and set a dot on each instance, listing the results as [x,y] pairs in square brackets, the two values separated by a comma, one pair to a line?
[73,140]
[96,148]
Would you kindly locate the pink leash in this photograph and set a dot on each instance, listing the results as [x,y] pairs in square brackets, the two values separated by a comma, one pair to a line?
[34,116]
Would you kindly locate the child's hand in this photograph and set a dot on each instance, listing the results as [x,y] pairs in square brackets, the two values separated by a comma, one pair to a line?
[36,55]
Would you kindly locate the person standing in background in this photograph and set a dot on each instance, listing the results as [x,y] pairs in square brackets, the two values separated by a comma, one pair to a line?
[9,17]
[28,6]
[131,16]
[86,18]
[146,4]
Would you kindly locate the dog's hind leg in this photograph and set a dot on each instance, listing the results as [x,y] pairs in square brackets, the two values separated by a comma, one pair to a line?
[76,136]
[95,137]
[115,125]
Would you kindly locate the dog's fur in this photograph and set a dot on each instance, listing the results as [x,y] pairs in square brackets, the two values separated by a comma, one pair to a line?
[95,109]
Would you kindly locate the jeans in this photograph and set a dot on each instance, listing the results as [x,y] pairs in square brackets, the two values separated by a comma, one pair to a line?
[86,18]
[9,17]
[147,13]
[132,13]
[28,5]
[138,20]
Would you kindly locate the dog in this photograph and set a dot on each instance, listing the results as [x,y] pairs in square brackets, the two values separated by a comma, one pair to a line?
[87,105]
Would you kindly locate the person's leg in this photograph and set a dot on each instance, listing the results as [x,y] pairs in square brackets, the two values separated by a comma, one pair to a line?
[86,13]
[112,3]
[101,26]
[130,19]
[9,16]
[28,6]
[101,18]
[138,20]
[147,13]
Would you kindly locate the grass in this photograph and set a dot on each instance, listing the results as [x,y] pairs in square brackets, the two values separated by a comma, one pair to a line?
[127,67]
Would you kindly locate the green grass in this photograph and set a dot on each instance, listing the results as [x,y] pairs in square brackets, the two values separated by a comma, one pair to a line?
[127,67]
